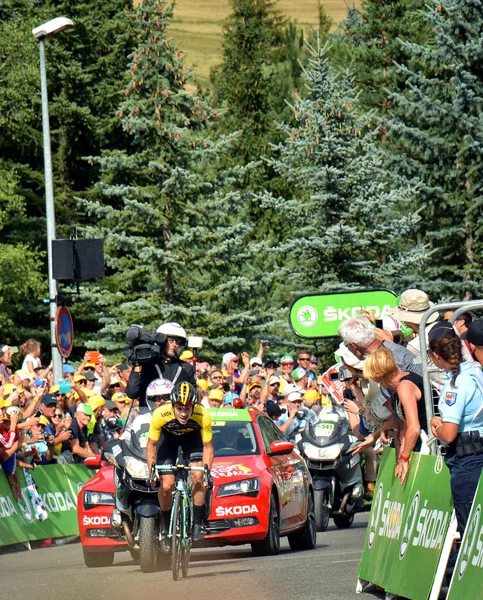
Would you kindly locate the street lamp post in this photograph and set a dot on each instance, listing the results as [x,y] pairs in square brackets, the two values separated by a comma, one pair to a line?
[40,33]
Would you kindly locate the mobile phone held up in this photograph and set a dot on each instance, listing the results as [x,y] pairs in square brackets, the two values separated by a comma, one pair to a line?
[93,356]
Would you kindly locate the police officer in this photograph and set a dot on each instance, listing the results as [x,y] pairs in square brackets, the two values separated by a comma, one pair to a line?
[168,366]
[461,420]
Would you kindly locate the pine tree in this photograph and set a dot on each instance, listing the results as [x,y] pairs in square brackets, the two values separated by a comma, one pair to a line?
[141,199]
[245,84]
[345,231]
[436,137]
[375,31]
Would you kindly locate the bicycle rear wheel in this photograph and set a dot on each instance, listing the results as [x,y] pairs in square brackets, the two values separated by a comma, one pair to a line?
[186,547]
[176,540]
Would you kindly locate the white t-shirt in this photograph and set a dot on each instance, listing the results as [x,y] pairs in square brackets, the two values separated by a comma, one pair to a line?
[35,362]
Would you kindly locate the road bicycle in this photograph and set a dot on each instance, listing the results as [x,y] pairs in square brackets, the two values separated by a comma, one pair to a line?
[181,522]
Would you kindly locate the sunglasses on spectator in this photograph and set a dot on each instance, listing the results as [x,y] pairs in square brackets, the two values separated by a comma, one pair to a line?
[275,384]
[174,340]
[288,363]
[114,385]
[217,377]
[58,416]
[304,358]
[89,369]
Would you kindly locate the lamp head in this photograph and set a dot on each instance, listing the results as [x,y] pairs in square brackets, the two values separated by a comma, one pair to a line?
[53,26]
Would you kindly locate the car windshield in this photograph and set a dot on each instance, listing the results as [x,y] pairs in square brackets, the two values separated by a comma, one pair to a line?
[234,438]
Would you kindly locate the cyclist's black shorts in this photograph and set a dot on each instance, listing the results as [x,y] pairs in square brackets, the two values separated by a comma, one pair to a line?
[190,443]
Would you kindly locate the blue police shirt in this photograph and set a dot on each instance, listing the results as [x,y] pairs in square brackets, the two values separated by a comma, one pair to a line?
[463,404]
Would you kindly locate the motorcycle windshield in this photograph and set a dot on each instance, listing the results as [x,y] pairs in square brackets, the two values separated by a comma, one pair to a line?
[135,437]
[328,429]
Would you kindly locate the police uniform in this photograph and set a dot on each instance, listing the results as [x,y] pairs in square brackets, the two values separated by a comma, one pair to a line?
[463,406]
[190,437]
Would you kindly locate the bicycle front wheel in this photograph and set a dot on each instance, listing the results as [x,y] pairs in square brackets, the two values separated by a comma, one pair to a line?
[186,546]
[177,534]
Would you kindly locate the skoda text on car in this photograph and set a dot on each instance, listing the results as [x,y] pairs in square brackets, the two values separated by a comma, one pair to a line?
[95,504]
[262,487]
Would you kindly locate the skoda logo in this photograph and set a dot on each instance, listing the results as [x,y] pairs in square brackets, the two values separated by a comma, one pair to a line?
[409,525]
[307,316]
[375,515]
[471,534]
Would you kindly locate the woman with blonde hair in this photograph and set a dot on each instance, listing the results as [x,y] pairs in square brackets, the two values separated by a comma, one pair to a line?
[380,366]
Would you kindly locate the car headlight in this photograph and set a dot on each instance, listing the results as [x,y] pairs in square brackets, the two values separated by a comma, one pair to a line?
[245,487]
[92,499]
[316,453]
[136,468]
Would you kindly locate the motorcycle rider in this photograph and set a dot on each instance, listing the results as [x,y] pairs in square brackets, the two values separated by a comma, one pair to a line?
[184,424]
[158,393]
[167,366]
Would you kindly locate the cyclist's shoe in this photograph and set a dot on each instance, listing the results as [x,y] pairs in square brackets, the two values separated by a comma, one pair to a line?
[198,532]
[165,545]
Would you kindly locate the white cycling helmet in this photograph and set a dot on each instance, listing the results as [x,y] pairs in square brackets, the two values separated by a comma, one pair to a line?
[159,387]
[172,330]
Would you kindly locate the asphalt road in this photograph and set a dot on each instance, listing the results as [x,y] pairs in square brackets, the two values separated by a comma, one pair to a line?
[328,572]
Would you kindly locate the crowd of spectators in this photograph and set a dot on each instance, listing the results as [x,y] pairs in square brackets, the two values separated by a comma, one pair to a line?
[44,422]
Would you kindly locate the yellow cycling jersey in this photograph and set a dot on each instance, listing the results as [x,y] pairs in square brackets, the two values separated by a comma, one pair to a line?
[164,419]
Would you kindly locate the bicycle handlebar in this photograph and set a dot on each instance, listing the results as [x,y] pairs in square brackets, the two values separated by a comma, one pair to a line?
[169,468]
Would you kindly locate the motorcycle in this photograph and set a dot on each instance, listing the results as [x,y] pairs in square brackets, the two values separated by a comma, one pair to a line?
[137,515]
[327,447]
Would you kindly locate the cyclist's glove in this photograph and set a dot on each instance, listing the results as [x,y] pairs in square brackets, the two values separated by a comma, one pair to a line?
[208,480]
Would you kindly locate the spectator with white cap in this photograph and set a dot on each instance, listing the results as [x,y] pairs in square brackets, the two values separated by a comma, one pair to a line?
[230,364]
[300,378]
[296,419]
[287,363]
[270,391]
[474,339]
[5,362]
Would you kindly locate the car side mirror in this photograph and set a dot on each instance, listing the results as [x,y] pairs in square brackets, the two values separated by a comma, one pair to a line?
[280,447]
[93,462]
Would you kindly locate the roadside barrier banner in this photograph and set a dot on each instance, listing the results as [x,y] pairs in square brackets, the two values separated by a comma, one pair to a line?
[467,581]
[58,486]
[407,526]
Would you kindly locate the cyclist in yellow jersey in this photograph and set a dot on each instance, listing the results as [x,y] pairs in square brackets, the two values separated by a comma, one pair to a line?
[186,424]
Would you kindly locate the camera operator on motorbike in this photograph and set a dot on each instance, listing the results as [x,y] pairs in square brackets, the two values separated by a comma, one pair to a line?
[162,362]
[184,424]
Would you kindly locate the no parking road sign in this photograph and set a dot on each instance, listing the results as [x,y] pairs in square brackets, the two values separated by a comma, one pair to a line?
[64,331]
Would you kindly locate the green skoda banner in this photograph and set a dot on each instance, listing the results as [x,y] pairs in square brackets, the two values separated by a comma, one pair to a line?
[58,486]
[467,579]
[407,526]
[319,315]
